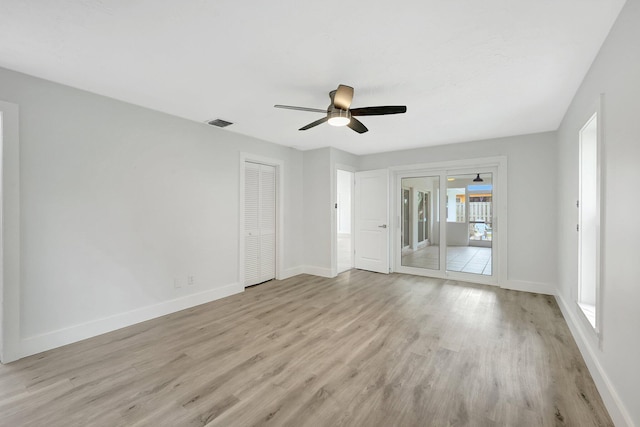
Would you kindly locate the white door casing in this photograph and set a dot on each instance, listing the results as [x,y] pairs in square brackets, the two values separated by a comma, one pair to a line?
[344,220]
[372,221]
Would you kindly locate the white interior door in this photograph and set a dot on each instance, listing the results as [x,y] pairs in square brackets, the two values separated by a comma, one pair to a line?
[259,223]
[372,221]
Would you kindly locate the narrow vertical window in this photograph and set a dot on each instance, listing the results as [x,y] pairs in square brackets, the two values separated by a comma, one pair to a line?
[589,221]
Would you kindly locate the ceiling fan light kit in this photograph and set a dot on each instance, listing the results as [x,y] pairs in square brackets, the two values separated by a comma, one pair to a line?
[339,113]
[339,117]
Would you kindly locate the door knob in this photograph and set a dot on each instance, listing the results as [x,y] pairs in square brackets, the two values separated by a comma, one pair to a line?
[383,226]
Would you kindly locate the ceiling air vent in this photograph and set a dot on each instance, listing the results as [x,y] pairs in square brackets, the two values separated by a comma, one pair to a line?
[219,123]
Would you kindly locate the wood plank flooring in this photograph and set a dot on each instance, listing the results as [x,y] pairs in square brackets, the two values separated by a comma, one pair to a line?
[363,349]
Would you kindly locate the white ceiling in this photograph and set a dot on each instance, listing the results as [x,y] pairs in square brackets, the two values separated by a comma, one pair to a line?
[466,69]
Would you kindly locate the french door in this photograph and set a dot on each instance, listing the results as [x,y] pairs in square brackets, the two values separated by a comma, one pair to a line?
[448,223]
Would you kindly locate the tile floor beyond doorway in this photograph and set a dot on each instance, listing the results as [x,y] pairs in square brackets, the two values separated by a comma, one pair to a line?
[465,259]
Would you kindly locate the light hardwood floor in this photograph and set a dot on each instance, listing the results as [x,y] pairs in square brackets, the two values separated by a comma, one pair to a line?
[363,349]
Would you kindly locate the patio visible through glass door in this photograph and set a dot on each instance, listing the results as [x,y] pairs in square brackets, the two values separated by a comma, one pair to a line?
[469,207]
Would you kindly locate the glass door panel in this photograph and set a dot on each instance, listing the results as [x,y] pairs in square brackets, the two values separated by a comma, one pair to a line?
[405,218]
[469,207]
[420,229]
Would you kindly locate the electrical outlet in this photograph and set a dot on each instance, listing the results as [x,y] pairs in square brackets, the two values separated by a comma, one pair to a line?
[191,280]
[176,283]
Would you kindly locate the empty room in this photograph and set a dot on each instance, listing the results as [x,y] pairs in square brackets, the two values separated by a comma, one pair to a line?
[220,213]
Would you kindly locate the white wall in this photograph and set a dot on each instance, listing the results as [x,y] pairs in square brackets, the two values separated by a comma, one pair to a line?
[320,197]
[317,212]
[117,201]
[457,233]
[616,74]
[10,232]
[531,198]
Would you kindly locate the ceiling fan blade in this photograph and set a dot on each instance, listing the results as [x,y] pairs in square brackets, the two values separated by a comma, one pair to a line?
[379,111]
[314,124]
[343,97]
[357,125]
[291,107]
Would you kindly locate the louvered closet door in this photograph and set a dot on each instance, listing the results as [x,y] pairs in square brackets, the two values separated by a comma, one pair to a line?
[251,222]
[260,220]
[267,222]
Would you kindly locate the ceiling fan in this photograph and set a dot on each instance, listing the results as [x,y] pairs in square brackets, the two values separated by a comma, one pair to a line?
[338,112]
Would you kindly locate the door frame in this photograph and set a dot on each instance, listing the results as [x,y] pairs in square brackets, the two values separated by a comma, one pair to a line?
[596,115]
[279,166]
[334,220]
[500,252]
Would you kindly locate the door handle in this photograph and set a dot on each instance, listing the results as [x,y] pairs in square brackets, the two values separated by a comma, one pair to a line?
[383,226]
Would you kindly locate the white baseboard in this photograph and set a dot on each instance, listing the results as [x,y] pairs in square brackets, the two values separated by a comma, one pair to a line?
[525,286]
[618,412]
[318,271]
[60,337]
[290,272]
